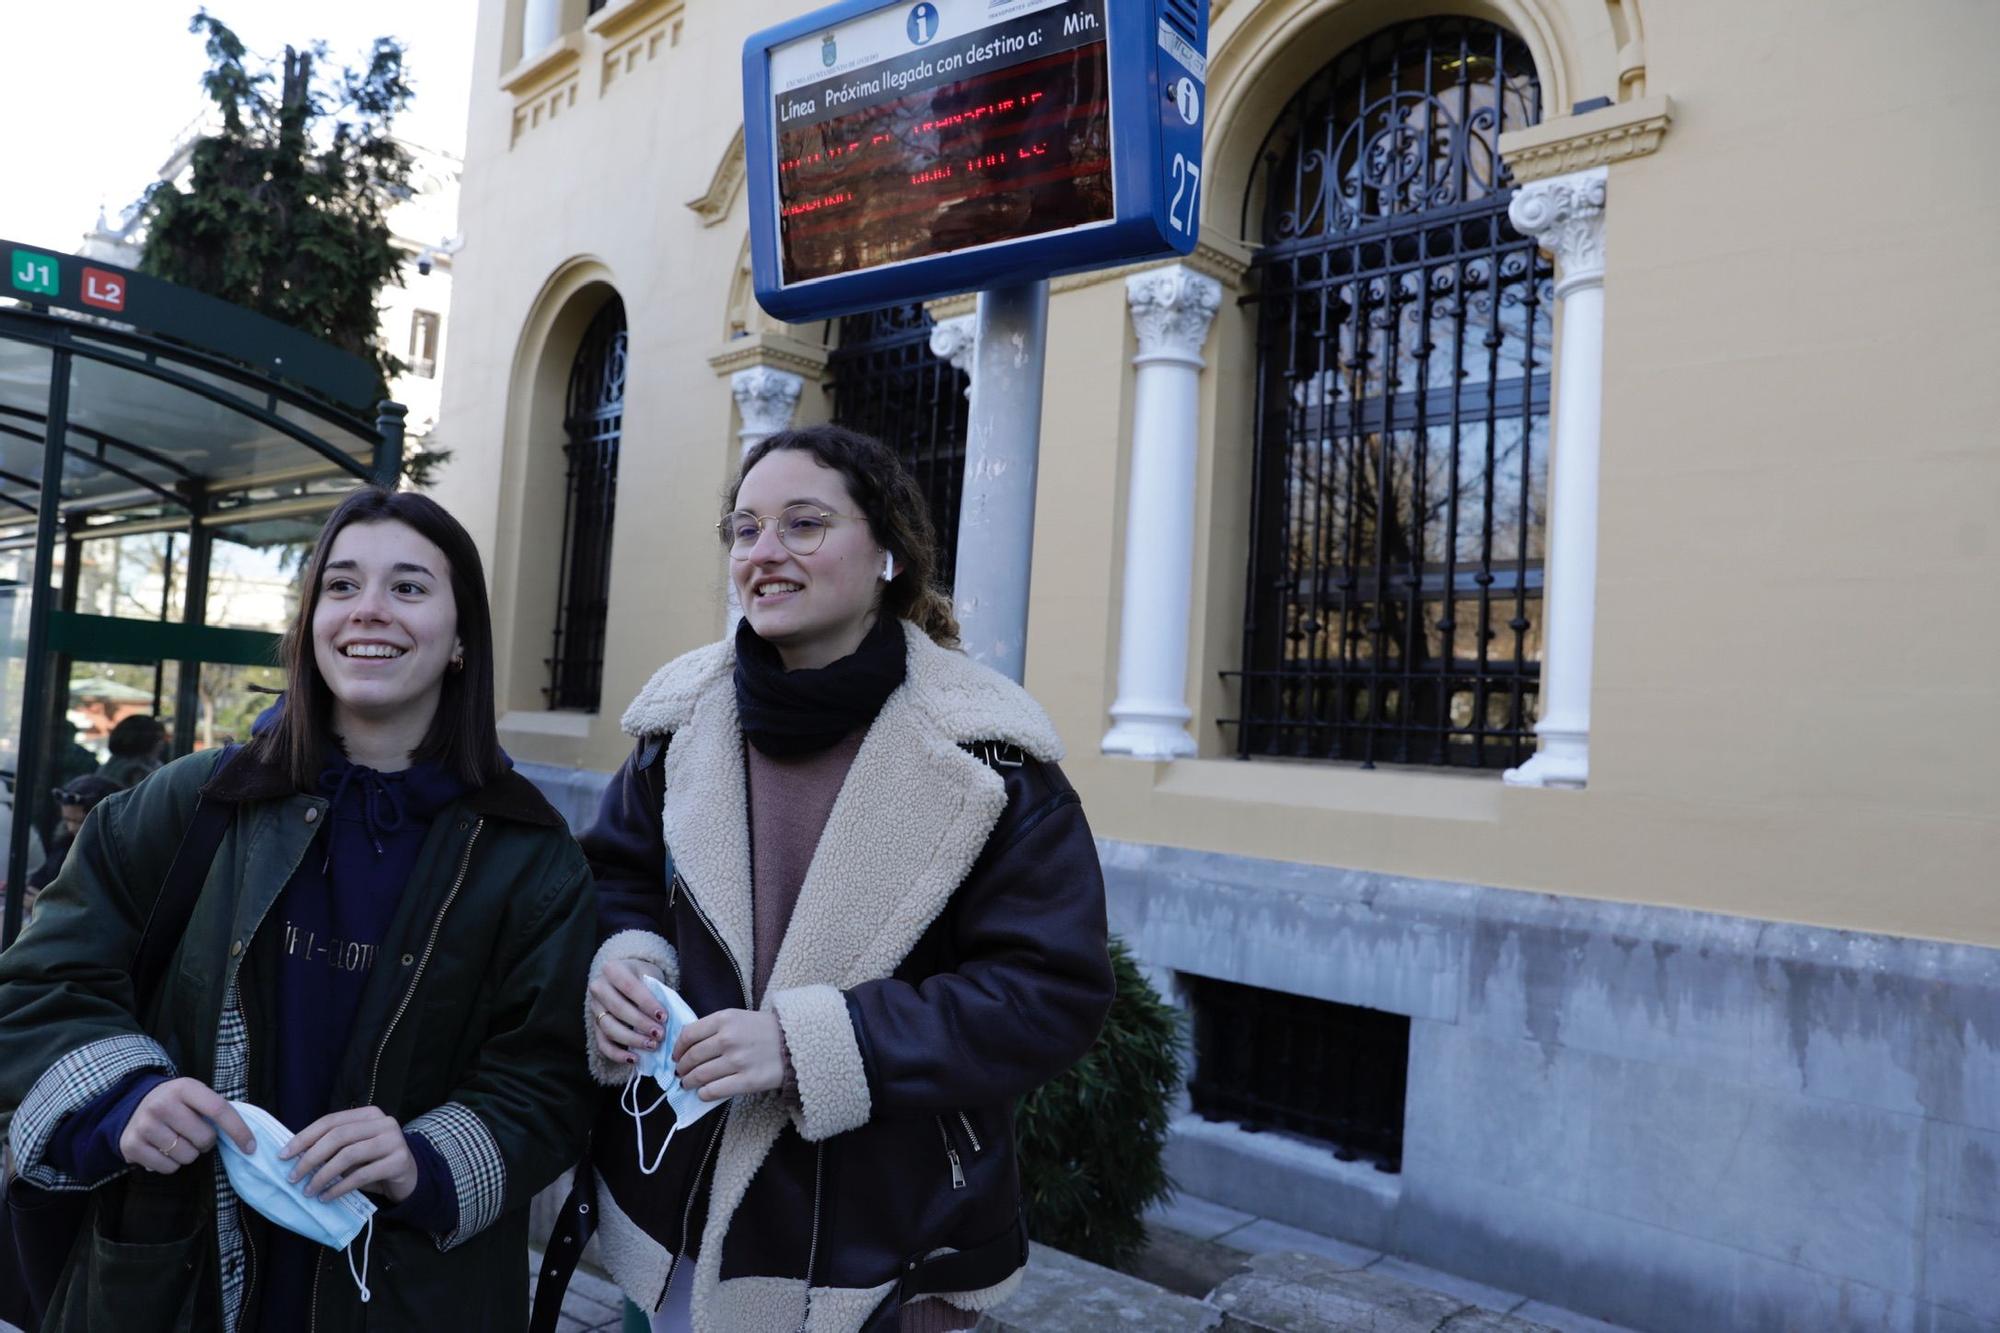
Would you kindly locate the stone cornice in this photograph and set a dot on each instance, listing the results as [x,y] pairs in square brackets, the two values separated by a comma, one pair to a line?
[616,20]
[1593,139]
[780,351]
[545,67]
[712,205]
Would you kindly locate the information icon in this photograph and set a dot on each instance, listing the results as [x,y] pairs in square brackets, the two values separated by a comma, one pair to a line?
[923,24]
[1187,96]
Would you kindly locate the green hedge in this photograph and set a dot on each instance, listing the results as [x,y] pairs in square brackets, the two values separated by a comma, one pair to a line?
[1091,1140]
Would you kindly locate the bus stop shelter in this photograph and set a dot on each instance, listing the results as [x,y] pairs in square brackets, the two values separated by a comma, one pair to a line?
[139,416]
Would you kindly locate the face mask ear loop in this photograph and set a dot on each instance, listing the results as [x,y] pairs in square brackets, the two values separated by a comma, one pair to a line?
[628,1101]
[361,1278]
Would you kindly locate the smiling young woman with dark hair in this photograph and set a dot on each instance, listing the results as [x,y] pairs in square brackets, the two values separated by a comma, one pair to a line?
[386,955]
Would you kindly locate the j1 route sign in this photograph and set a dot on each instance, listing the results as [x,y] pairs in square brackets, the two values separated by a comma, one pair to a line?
[908,150]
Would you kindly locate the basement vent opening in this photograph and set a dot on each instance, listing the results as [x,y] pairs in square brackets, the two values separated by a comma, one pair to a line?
[1269,1060]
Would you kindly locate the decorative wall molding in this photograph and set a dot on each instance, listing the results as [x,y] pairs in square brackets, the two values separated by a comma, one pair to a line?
[780,351]
[1594,139]
[712,205]
[544,85]
[544,67]
[634,33]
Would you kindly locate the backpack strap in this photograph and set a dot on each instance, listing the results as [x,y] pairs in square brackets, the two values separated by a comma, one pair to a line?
[181,888]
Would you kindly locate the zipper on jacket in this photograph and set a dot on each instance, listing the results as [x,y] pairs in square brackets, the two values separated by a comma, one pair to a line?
[687,1210]
[951,1154]
[970,1137]
[249,1269]
[234,970]
[716,935]
[812,1250]
[409,993]
[430,947]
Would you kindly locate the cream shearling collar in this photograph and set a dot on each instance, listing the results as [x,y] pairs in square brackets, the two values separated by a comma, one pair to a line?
[966,701]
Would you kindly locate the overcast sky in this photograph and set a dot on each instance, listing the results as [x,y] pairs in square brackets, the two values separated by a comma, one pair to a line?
[97,90]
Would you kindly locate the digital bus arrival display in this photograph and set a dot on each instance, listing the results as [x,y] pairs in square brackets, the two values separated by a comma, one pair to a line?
[958,123]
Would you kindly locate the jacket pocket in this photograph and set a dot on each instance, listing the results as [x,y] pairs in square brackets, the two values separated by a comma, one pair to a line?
[136,1286]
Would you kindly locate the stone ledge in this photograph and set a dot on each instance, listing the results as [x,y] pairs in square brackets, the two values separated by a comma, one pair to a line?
[538,71]
[1593,139]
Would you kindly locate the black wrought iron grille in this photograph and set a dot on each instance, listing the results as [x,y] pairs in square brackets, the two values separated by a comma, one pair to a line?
[592,423]
[887,383]
[1269,1060]
[1393,609]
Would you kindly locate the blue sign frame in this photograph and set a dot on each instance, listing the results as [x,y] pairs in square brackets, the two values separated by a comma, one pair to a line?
[1156,52]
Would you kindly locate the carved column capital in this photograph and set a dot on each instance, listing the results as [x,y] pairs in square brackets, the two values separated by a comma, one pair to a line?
[956,340]
[766,399]
[1565,214]
[1172,309]
[953,340]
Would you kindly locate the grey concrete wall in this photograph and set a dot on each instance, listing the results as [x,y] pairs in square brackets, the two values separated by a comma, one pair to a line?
[1669,1119]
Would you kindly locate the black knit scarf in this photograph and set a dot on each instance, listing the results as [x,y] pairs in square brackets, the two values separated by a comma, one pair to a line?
[786,713]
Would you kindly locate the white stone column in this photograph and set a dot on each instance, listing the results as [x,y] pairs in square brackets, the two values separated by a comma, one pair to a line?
[956,340]
[1172,309]
[1566,214]
[765,400]
[541,24]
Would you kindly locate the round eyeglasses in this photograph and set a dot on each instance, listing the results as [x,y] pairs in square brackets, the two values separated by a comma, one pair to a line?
[801,528]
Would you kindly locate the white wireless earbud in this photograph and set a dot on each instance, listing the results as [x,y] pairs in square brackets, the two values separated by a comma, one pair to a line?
[888,564]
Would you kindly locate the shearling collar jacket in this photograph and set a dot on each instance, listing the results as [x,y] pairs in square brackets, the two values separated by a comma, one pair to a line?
[946,956]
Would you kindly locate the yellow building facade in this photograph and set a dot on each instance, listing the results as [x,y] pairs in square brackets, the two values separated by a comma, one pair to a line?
[1708,1040]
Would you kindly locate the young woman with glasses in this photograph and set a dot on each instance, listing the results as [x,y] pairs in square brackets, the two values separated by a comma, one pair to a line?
[387,954]
[850,849]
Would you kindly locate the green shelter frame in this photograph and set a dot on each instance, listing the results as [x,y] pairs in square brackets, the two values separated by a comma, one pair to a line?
[155,409]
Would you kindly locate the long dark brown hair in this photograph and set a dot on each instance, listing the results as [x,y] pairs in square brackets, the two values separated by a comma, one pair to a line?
[897,515]
[462,738]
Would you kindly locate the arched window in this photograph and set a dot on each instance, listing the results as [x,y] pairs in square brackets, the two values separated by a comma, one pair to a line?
[593,421]
[887,383]
[1393,609]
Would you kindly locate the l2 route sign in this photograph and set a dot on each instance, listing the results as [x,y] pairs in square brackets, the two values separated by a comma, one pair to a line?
[903,151]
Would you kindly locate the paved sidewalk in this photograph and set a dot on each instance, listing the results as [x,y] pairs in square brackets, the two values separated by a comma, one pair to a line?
[1211,1242]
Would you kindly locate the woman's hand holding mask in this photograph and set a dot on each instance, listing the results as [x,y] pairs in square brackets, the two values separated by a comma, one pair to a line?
[628,1017]
[349,1150]
[170,1128]
[731,1052]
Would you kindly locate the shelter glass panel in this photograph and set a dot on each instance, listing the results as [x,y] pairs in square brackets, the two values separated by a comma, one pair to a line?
[1393,608]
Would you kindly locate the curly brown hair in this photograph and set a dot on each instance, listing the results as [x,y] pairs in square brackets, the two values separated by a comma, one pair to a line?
[897,514]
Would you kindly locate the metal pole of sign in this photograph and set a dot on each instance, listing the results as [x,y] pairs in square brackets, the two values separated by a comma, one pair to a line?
[996,525]
[29,757]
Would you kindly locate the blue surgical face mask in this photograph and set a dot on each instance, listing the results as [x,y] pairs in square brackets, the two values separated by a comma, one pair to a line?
[685,1102]
[264,1182]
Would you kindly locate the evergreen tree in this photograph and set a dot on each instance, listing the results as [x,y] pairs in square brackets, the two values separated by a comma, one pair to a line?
[286,210]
